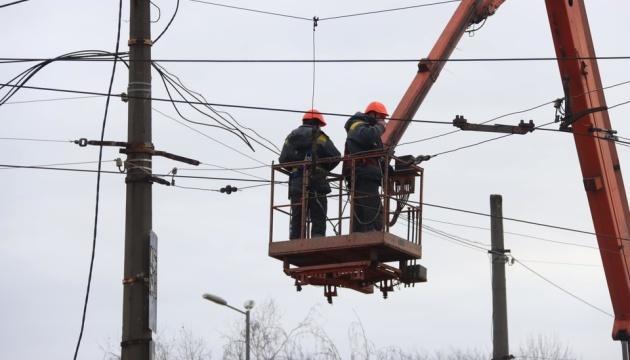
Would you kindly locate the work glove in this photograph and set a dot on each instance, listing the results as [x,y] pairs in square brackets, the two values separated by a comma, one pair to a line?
[381,125]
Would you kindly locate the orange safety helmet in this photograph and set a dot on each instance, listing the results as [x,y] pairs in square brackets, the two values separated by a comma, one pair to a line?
[313,114]
[376,107]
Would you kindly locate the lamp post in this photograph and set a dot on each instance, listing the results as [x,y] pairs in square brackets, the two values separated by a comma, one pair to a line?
[249,304]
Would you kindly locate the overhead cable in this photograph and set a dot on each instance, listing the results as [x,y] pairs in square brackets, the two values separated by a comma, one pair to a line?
[18,82]
[168,24]
[11,60]
[515,234]
[35,167]
[561,288]
[516,220]
[12,3]
[209,137]
[252,10]
[476,247]
[231,124]
[560,263]
[36,140]
[98,185]
[247,107]
[10,167]
[54,99]
[389,10]
[518,112]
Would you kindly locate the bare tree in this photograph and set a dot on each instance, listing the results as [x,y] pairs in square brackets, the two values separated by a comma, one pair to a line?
[545,347]
[183,346]
[269,340]
[307,340]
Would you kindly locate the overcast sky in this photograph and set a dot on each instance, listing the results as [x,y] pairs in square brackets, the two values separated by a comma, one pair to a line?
[212,242]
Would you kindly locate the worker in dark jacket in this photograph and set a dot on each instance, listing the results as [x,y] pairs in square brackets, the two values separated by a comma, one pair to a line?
[308,142]
[364,132]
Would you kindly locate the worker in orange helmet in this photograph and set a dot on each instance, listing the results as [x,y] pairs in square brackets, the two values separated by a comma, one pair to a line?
[309,142]
[364,132]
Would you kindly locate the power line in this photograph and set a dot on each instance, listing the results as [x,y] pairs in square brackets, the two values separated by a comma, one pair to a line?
[209,137]
[247,107]
[47,100]
[592,135]
[561,288]
[470,145]
[12,3]
[35,140]
[223,168]
[515,234]
[219,190]
[98,185]
[540,127]
[56,164]
[159,12]
[389,10]
[517,220]
[196,188]
[241,172]
[560,263]
[168,24]
[10,60]
[234,126]
[22,78]
[252,10]
[518,112]
[620,104]
[469,244]
[36,167]
[326,18]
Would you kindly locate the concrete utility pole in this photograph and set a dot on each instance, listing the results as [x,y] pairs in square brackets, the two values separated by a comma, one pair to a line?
[140,243]
[499,303]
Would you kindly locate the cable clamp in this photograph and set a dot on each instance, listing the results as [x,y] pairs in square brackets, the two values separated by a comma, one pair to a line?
[134,279]
[82,142]
[609,133]
[424,65]
[137,41]
[315,20]
[174,173]
[228,189]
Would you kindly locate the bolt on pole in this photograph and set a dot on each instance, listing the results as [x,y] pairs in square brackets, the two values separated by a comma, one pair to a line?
[139,274]
[499,302]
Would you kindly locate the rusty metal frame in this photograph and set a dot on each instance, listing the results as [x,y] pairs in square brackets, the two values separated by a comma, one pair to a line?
[331,260]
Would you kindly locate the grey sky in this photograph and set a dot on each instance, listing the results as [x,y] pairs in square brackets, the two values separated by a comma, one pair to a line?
[211,242]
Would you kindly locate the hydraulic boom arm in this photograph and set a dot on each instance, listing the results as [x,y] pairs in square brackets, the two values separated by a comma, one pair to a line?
[468,12]
[586,112]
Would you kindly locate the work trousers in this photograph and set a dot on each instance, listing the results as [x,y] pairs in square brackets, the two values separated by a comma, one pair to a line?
[368,209]
[317,207]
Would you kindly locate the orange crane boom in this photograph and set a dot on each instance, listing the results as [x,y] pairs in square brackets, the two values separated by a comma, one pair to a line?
[586,112]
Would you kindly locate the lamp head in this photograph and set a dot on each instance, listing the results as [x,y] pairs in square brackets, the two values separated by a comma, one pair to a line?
[214,299]
[249,304]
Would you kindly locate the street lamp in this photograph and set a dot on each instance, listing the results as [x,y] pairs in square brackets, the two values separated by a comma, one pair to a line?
[249,304]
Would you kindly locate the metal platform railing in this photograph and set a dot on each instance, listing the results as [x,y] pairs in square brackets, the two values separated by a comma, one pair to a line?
[402,180]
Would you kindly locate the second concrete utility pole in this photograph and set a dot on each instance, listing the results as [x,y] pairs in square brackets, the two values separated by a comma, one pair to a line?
[500,345]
